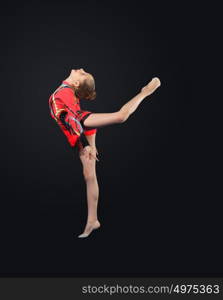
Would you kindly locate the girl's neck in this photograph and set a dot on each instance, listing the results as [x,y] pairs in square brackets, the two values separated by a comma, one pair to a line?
[69,81]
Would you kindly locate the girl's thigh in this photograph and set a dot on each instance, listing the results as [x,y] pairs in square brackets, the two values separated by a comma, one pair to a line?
[102,119]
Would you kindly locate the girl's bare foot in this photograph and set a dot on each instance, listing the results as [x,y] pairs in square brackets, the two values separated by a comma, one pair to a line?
[89,228]
[151,86]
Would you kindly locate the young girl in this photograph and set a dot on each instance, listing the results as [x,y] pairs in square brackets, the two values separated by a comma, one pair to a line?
[80,127]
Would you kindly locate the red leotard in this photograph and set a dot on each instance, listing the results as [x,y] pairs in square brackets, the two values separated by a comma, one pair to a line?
[65,101]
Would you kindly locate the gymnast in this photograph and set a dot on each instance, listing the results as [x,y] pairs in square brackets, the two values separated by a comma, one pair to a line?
[80,128]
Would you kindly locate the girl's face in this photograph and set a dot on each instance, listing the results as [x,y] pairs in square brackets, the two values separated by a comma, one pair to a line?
[79,75]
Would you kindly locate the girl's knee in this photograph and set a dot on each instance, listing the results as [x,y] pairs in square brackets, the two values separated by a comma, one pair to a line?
[121,116]
[89,175]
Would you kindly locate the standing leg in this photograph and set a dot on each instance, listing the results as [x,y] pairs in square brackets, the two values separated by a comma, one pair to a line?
[89,172]
[102,119]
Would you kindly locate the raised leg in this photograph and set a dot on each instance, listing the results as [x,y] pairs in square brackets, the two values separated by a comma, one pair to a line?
[103,119]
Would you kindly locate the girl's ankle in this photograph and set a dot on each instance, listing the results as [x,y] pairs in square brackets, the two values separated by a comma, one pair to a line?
[92,221]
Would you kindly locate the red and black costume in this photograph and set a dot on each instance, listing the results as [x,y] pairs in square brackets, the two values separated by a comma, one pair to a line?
[66,111]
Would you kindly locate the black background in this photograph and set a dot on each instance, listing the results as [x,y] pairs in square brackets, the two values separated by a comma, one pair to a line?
[157,205]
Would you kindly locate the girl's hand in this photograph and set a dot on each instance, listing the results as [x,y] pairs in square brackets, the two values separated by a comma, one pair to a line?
[94,152]
[90,152]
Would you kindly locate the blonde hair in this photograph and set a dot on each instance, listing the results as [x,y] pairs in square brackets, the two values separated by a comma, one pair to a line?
[86,90]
